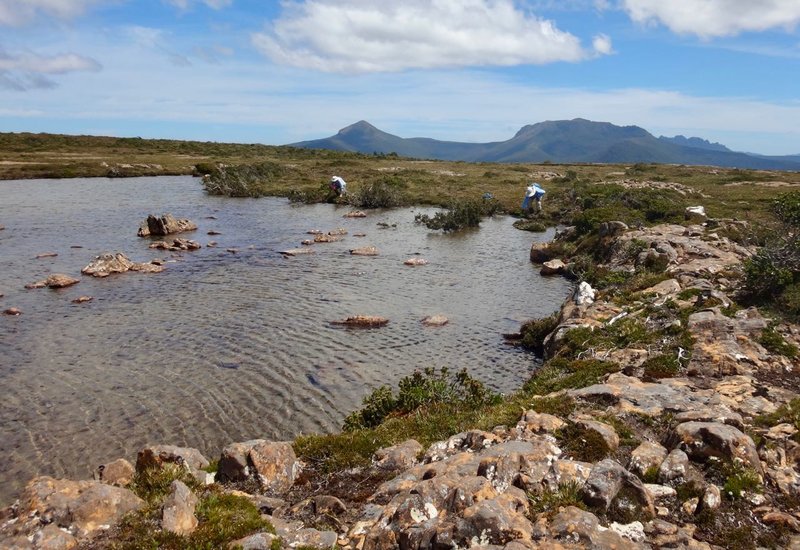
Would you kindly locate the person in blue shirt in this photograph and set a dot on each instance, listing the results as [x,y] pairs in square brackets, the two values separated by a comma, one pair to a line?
[533,193]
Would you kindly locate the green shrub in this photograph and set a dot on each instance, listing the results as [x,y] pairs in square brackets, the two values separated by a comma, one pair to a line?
[661,366]
[773,341]
[420,390]
[245,180]
[534,226]
[560,373]
[459,215]
[582,444]
[383,193]
[535,331]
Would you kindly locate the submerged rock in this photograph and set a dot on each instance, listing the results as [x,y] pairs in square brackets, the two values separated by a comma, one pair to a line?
[355,214]
[164,225]
[177,245]
[367,321]
[416,261]
[364,251]
[435,321]
[12,311]
[297,251]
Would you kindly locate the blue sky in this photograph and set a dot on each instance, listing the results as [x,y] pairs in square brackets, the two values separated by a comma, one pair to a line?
[463,70]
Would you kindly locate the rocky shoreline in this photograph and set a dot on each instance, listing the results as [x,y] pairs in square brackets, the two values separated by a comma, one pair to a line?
[683,437]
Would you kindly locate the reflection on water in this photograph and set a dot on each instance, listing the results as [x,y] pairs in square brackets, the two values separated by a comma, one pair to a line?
[232,345]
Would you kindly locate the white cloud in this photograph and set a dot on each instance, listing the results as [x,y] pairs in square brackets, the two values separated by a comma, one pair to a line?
[215,4]
[27,71]
[602,44]
[359,36]
[19,12]
[713,18]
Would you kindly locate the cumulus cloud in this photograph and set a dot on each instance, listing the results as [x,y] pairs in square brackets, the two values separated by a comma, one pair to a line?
[19,12]
[714,18]
[360,36]
[27,71]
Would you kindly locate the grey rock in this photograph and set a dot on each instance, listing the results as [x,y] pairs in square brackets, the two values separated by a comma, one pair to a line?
[178,510]
[398,457]
[702,440]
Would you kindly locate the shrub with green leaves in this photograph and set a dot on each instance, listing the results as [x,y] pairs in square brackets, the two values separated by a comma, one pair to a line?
[245,180]
[420,390]
[386,192]
[458,215]
[535,331]
[773,274]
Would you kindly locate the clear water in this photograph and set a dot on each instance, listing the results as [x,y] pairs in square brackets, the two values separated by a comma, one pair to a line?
[229,346]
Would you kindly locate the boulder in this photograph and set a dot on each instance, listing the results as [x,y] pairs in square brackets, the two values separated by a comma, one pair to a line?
[12,311]
[674,467]
[157,456]
[84,507]
[355,214]
[323,238]
[553,267]
[120,472]
[573,525]
[273,464]
[540,252]
[164,225]
[608,480]
[82,299]
[647,456]
[58,280]
[107,263]
[177,514]
[703,440]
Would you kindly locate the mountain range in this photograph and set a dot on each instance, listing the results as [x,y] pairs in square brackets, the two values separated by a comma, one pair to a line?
[559,141]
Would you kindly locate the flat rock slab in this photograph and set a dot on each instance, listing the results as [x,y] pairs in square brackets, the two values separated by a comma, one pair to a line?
[297,251]
[58,280]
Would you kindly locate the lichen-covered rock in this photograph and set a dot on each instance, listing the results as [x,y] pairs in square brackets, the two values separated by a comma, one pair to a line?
[156,456]
[258,541]
[84,507]
[178,511]
[583,529]
[608,480]
[702,440]
[107,263]
[119,472]
[605,431]
[674,467]
[647,456]
[539,423]
[273,464]
[398,457]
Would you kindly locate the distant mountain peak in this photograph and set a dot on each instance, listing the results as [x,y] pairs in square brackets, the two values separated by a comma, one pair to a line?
[567,141]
